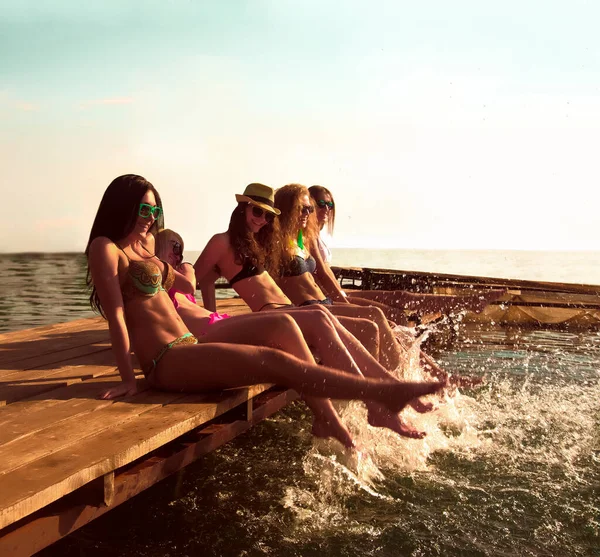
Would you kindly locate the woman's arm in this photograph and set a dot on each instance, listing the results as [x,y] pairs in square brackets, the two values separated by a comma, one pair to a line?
[205,269]
[209,298]
[185,279]
[325,276]
[104,265]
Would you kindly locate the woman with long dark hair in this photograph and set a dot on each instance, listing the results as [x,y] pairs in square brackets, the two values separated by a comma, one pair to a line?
[242,255]
[129,288]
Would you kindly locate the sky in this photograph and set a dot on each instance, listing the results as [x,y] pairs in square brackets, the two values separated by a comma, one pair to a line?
[436,124]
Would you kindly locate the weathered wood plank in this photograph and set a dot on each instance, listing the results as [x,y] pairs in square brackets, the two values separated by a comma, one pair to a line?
[55,328]
[85,356]
[29,488]
[76,510]
[36,382]
[52,348]
[90,388]
[72,430]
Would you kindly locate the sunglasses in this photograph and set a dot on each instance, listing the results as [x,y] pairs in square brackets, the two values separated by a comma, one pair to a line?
[146,210]
[307,209]
[321,204]
[177,249]
[258,212]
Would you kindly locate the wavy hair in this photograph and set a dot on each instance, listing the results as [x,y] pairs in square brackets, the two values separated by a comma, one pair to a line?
[315,191]
[116,218]
[287,200]
[263,249]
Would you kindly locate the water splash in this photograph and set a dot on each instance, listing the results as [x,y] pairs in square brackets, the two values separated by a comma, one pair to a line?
[508,469]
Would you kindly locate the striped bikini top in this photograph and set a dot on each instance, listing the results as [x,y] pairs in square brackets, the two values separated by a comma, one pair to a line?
[144,278]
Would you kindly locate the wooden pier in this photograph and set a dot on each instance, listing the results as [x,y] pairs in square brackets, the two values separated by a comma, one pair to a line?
[67,457]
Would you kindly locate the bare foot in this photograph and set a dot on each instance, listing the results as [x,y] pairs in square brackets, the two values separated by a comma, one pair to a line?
[324,429]
[422,407]
[399,394]
[381,417]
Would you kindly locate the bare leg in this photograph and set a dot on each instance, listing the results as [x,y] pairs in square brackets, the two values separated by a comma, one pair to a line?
[313,321]
[216,366]
[365,330]
[388,348]
[395,314]
[279,330]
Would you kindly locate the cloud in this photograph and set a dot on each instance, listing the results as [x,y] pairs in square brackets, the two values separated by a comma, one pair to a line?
[116,101]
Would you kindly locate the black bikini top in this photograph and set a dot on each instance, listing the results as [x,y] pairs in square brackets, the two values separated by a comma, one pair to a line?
[299,265]
[249,269]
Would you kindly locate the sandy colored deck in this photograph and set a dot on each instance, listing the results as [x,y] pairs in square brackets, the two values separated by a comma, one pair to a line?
[60,443]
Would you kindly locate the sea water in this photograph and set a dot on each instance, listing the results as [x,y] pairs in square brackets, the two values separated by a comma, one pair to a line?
[510,468]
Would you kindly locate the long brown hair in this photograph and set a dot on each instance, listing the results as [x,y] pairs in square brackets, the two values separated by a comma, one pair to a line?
[322,191]
[116,218]
[263,249]
[287,200]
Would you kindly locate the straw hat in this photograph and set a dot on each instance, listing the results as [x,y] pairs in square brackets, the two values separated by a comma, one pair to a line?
[260,195]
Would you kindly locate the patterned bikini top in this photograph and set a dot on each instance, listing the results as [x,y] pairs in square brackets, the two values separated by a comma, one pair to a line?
[144,278]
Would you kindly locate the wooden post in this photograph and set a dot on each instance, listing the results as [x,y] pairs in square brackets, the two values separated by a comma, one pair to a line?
[109,488]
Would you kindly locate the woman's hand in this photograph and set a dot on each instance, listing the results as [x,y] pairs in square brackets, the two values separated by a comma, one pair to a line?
[123,389]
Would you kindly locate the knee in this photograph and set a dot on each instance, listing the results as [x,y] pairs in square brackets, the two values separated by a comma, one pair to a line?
[370,328]
[289,326]
[284,326]
[377,314]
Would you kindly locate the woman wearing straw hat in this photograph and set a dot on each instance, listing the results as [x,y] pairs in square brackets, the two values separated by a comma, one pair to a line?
[242,255]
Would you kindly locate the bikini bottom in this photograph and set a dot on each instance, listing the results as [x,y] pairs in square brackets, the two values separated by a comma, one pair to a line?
[188,338]
[213,318]
[324,302]
[278,304]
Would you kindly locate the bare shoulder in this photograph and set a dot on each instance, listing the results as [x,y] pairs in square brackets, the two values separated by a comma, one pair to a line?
[102,247]
[220,240]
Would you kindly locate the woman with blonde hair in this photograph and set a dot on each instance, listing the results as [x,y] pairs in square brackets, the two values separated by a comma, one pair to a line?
[301,261]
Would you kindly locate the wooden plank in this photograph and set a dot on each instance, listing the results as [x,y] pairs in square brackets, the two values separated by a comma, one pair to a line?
[76,510]
[86,389]
[54,348]
[35,382]
[374,274]
[47,330]
[12,393]
[29,488]
[72,430]
[85,356]
[55,417]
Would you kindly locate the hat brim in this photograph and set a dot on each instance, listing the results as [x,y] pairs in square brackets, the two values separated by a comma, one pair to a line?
[241,198]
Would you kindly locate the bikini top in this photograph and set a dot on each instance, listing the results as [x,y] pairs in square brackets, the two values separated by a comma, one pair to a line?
[248,270]
[300,265]
[144,278]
